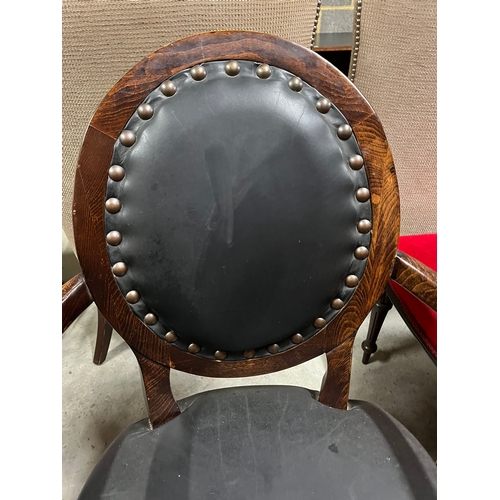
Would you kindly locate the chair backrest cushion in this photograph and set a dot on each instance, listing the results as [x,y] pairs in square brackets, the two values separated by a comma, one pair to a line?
[238,210]
[235,199]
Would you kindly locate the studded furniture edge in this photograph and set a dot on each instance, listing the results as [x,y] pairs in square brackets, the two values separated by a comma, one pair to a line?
[96,157]
[242,235]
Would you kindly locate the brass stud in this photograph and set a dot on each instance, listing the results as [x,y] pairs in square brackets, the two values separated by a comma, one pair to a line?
[127,138]
[194,348]
[263,71]
[364,226]
[168,88]
[363,194]
[337,304]
[132,297]
[297,338]
[344,132]
[273,348]
[114,238]
[319,322]
[323,105]
[171,337]
[220,355]
[356,162]
[113,205]
[249,354]
[232,68]
[198,73]
[145,111]
[295,84]
[361,253]
[351,281]
[116,173]
[120,269]
[150,319]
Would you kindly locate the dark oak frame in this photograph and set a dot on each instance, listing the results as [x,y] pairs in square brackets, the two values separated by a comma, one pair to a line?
[156,356]
[419,279]
[76,297]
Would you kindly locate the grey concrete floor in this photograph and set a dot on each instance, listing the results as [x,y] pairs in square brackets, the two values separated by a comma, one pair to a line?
[101,401]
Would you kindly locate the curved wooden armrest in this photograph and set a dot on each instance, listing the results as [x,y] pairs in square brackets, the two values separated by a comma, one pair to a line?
[76,298]
[416,277]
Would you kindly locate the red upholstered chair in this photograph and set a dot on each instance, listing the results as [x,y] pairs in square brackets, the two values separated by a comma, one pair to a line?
[420,317]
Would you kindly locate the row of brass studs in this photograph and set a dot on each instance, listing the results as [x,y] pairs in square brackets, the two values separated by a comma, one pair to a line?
[127,138]
[113,206]
[171,337]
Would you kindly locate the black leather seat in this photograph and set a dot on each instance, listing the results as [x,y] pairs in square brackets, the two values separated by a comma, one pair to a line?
[269,442]
[236,213]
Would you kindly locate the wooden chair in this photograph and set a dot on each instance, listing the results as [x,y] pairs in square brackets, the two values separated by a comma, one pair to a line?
[414,298]
[236,213]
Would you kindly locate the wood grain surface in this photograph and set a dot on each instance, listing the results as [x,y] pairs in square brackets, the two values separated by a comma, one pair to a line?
[416,277]
[335,387]
[76,298]
[161,404]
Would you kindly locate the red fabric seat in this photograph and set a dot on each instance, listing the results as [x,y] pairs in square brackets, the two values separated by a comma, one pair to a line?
[422,247]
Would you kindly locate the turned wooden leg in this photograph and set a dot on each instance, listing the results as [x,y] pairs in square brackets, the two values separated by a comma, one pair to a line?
[104,330]
[377,317]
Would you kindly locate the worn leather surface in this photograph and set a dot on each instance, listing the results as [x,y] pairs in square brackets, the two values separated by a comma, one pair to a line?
[238,211]
[271,442]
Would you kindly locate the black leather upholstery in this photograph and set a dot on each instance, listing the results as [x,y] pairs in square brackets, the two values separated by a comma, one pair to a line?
[238,211]
[271,442]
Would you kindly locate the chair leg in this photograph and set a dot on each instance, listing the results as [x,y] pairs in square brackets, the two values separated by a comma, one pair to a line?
[377,317]
[104,330]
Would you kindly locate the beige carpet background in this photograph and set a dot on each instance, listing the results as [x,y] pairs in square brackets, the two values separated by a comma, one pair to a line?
[395,69]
